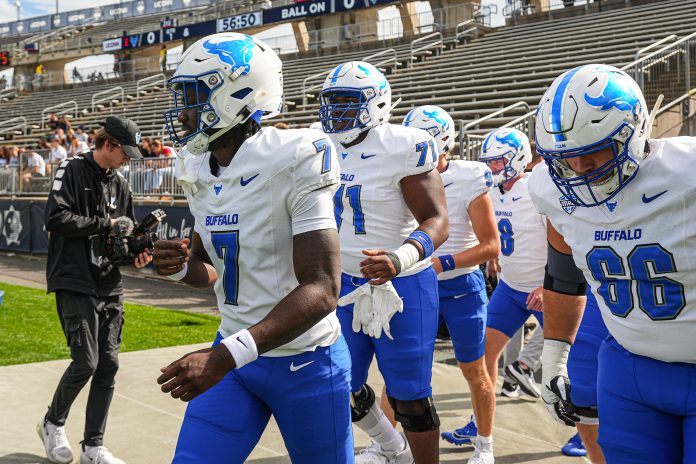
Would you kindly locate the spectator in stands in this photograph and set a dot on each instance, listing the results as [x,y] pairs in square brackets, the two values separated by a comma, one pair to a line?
[77,148]
[39,72]
[42,144]
[146,148]
[3,82]
[281,125]
[81,135]
[91,136]
[53,122]
[64,123]
[266,5]
[76,76]
[57,154]
[163,58]
[12,154]
[117,66]
[159,168]
[6,173]
[35,167]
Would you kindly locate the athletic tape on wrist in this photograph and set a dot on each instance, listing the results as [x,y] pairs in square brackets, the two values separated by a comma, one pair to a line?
[424,240]
[242,347]
[179,275]
[407,254]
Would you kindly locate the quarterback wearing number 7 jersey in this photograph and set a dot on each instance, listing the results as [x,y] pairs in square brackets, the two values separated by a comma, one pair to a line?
[265,238]
[621,209]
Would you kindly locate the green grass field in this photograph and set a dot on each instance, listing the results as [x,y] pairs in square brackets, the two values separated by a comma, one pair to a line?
[30,329]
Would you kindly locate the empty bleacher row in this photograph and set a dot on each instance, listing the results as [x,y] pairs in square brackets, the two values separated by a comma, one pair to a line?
[470,80]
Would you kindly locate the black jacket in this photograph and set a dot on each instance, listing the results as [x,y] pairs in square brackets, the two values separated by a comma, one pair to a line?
[82,201]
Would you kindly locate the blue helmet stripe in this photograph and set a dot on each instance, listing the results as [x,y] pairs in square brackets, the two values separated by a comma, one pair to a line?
[334,78]
[557,106]
[487,140]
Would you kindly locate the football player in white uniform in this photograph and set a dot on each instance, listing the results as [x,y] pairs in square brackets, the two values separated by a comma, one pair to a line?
[620,208]
[265,238]
[473,240]
[391,214]
[522,258]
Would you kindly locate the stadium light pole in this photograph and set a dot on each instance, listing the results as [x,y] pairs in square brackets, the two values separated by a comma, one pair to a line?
[18,4]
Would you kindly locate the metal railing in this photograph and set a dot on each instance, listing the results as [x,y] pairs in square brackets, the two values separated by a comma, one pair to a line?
[108,95]
[669,71]
[305,88]
[61,109]
[149,177]
[10,125]
[427,49]
[655,45]
[469,32]
[150,82]
[153,177]
[392,58]
[470,144]
[8,93]
[666,71]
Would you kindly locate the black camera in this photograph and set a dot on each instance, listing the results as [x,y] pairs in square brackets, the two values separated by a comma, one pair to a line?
[128,242]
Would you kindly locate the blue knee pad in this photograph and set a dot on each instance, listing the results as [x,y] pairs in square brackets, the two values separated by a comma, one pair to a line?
[311,406]
[405,362]
[647,408]
[463,307]
[507,310]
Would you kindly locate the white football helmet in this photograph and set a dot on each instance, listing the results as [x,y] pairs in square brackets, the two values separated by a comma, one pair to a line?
[355,97]
[228,78]
[588,109]
[437,122]
[512,147]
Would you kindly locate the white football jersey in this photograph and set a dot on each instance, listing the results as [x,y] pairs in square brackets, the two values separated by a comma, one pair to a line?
[638,251]
[247,217]
[523,245]
[370,209]
[464,182]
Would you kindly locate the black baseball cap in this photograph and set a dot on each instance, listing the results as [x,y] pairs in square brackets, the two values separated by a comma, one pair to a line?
[126,132]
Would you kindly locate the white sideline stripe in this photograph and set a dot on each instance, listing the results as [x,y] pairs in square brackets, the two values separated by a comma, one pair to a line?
[162,411]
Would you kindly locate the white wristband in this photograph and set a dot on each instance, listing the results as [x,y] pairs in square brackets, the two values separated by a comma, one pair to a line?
[179,275]
[242,347]
[408,255]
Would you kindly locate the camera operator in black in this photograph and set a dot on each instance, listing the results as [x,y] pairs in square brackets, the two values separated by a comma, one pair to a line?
[86,197]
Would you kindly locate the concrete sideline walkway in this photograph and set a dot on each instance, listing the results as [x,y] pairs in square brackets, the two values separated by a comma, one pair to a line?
[144,423]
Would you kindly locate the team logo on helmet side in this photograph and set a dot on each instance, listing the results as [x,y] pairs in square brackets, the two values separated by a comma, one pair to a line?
[614,95]
[512,140]
[437,117]
[236,53]
[382,81]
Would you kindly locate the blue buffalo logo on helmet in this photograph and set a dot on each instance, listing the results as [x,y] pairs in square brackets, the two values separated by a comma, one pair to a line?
[382,81]
[512,140]
[614,95]
[236,53]
[437,117]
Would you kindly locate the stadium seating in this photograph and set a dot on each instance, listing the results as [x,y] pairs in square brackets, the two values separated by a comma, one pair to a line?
[470,80]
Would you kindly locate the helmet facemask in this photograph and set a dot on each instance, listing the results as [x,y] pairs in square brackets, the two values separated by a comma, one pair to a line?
[345,112]
[602,183]
[192,92]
